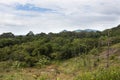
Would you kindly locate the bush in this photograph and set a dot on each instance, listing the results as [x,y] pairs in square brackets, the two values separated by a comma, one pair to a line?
[17,64]
[104,74]
[43,60]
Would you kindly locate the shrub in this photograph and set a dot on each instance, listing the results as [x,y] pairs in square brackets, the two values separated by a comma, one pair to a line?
[43,60]
[104,74]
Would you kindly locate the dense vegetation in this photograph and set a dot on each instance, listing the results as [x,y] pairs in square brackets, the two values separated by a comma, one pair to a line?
[36,50]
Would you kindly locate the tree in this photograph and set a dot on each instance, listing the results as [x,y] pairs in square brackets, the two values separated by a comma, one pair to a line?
[30,33]
[7,35]
[108,53]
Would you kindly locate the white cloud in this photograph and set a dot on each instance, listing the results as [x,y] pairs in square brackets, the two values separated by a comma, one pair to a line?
[69,14]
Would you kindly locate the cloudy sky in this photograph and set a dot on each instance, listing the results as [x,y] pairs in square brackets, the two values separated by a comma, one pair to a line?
[22,16]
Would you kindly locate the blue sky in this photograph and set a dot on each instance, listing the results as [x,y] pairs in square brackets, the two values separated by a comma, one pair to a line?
[31,7]
[22,16]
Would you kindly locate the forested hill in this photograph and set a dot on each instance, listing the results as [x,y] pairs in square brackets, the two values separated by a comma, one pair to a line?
[31,48]
[113,31]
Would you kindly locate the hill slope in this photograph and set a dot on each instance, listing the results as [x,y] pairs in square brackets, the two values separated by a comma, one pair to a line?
[64,55]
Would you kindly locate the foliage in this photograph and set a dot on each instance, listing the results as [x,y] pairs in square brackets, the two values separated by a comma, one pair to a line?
[40,48]
[112,73]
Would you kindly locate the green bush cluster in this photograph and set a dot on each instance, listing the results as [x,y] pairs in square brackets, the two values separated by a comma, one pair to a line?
[30,49]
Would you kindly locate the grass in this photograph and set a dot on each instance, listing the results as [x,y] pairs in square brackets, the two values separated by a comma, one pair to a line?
[68,70]
[112,73]
[85,67]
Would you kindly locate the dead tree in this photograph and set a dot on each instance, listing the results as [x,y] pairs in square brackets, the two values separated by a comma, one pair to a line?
[108,51]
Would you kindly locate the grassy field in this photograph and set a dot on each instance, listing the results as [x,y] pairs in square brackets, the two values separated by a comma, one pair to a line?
[83,67]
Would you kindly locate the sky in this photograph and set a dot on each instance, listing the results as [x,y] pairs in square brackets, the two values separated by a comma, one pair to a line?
[22,16]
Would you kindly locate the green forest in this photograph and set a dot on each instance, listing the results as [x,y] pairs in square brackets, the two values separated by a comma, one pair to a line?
[67,55]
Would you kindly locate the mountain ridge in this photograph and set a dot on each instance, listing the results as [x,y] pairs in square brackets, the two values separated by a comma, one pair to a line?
[81,30]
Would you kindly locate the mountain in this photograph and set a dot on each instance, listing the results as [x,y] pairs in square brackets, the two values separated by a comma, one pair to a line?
[64,31]
[90,30]
[79,30]
[86,30]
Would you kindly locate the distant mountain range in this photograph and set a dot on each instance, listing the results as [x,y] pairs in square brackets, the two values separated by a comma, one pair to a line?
[79,30]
